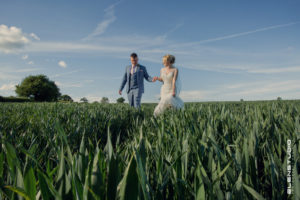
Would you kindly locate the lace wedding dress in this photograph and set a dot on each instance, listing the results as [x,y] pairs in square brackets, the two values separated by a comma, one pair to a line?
[167,100]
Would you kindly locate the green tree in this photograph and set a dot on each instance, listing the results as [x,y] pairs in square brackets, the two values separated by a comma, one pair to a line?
[84,100]
[120,100]
[39,87]
[104,100]
[65,97]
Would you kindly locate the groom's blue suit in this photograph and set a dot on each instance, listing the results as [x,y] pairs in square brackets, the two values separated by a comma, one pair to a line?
[135,88]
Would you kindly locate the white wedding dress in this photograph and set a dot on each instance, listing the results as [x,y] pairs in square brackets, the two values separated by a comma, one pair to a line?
[167,100]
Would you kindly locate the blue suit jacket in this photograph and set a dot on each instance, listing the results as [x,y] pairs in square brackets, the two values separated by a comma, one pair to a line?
[141,74]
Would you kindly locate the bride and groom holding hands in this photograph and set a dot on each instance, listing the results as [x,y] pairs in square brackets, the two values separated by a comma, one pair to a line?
[134,80]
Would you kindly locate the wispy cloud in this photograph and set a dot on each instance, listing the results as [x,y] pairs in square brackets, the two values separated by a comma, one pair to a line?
[164,36]
[246,68]
[12,73]
[62,74]
[27,70]
[275,70]
[110,78]
[75,47]
[151,47]
[109,18]
[73,84]
[198,57]
[13,70]
[69,85]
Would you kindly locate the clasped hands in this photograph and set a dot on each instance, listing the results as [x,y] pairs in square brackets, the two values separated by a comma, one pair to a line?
[155,78]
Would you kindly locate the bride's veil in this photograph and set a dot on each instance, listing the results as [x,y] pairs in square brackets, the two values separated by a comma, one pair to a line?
[178,83]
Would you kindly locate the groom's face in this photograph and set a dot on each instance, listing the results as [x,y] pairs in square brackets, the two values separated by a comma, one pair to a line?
[134,61]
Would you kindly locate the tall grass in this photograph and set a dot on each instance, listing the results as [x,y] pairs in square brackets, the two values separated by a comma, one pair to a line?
[98,151]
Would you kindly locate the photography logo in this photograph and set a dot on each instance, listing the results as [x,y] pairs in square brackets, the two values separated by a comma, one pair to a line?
[289,174]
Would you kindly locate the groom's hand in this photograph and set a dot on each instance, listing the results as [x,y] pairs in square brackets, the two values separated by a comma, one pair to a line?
[120,92]
[154,79]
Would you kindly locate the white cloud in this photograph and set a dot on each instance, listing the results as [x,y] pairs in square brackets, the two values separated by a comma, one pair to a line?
[25,57]
[12,39]
[34,36]
[8,87]
[62,64]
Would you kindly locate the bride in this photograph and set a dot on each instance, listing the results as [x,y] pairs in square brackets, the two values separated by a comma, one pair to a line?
[170,89]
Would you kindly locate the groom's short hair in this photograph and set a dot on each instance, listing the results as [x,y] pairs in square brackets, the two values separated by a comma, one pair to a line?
[133,55]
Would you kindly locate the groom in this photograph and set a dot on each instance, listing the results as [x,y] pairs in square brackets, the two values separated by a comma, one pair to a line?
[134,77]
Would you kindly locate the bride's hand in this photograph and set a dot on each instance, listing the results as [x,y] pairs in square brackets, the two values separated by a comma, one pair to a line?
[173,93]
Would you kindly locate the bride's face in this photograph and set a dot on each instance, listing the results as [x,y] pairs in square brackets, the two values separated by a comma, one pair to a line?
[166,63]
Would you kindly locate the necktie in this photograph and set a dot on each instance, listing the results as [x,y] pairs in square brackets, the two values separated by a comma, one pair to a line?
[133,69]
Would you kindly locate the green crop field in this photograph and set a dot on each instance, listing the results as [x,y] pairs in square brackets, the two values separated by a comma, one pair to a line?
[217,150]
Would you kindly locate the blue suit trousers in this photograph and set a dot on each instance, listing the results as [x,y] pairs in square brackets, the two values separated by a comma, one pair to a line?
[134,98]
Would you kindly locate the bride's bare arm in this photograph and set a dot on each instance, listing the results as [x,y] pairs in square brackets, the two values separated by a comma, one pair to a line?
[174,81]
[159,78]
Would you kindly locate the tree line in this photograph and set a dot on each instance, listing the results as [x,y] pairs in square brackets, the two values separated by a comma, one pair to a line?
[40,88]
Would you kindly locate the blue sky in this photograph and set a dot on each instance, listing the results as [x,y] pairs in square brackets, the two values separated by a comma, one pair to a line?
[225,50]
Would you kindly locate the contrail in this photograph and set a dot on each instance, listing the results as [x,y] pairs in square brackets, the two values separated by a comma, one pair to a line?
[240,34]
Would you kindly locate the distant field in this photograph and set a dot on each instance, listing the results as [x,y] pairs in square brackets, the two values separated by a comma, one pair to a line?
[211,150]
